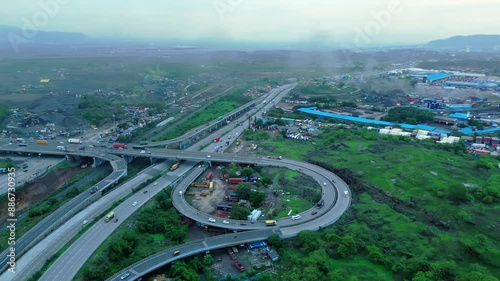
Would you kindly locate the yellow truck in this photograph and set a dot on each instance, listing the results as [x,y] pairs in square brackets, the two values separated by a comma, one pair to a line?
[109,216]
[41,142]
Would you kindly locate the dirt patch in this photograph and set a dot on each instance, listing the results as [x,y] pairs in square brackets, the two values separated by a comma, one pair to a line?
[208,204]
[37,190]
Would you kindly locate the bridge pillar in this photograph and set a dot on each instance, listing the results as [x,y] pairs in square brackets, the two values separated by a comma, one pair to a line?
[128,159]
[71,158]
[97,162]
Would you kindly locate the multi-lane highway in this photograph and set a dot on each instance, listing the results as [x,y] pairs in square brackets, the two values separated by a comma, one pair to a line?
[333,209]
[53,221]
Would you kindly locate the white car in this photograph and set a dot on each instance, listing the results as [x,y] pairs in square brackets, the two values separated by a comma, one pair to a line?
[225,221]
[85,222]
[156,183]
[134,204]
[324,183]
[211,220]
[296,217]
[208,156]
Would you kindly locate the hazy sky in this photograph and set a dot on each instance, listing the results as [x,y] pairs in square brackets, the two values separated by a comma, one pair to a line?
[350,21]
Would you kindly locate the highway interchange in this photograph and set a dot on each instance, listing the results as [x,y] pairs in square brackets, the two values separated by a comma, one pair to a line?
[335,205]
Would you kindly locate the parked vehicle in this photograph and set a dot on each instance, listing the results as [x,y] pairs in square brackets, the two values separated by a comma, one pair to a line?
[239,266]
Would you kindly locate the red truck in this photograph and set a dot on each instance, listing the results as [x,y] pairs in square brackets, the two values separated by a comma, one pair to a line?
[120,145]
[239,266]
[217,139]
[235,180]
[209,176]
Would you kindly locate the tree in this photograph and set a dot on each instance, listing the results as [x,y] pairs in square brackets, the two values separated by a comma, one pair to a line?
[196,265]
[266,180]
[244,190]
[247,172]
[239,213]
[476,276]
[457,193]
[257,198]
[208,260]
[275,241]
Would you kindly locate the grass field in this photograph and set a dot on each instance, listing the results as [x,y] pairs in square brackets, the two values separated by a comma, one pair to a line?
[421,228]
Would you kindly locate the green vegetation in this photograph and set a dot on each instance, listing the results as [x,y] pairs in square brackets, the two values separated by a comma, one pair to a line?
[218,108]
[153,228]
[409,115]
[4,112]
[6,163]
[421,211]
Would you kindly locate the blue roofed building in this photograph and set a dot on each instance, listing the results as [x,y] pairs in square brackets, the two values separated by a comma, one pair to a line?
[437,76]
[461,116]
[459,107]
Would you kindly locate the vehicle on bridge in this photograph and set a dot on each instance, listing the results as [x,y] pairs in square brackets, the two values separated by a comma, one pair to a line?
[119,145]
[74,141]
[143,142]
[41,142]
[60,147]
[23,144]
[109,216]
[139,147]
[320,203]
[275,157]
[271,222]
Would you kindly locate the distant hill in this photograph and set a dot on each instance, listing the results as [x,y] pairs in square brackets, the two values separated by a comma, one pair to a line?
[474,43]
[41,37]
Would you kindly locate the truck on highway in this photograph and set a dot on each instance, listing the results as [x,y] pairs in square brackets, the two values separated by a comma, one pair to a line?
[271,222]
[81,147]
[20,140]
[275,157]
[119,145]
[217,139]
[74,141]
[143,142]
[41,142]
[60,147]
[175,166]
[109,216]
[139,147]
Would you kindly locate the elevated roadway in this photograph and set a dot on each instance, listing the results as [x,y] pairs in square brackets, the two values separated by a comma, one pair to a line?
[62,214]
[53,221]
[332,186]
